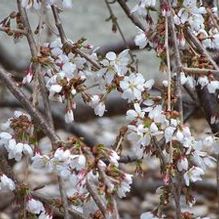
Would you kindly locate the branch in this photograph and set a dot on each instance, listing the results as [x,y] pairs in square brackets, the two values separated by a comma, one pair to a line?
[201,71]
[201,49]
[108,184]
[96,198]
[48,201]
[68,43]
[37,117]
[133,18]
[178,67]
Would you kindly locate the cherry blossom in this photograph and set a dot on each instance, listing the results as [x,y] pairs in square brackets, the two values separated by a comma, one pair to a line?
[114,157]
[6,183]
[193,174]
[125,185]
[98,105]
[35,206]
[134,114]
[69,116]
[36,4]
[141,39]
[45,215]
[114,64]
[133,86]
[140,8]
[182,164]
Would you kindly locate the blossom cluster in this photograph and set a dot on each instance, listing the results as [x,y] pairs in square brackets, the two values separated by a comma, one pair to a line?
[74,170]
[36,207]
[36,4]
[16,135]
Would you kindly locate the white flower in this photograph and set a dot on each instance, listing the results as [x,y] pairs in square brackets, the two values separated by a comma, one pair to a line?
[213,86]
[168,133]
[192,14]
[28,4]
[114,64]
[150,3]
[193,174]
[148,215]
[17,114]
[78,162]
[183,78]
[69,116]
[208,141]
[114,157]
[165,83]
[132,86]
[202,160]
[99,109]
[61,155]
[55,88]
[39,161]
[203,81]
[179,136]
[181,17]
[149,84]
[6,183]
[111,56]
[44,215]
[182,164]
[28,78]
[156,114]
[125,185]
[69,69]
[140,134]
[140,8]
[34,206]
[140,40]
[27,150]
[153,127]
[4,138]
[137,112]
[121,62]
[81,162]
[99,106]
[14,150]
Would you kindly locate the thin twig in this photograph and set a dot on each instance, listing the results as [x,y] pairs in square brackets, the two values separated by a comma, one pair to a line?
[35,52]
[108,184]
[201,49]
[169,77]
[132,17]
[178,68]
[114,20]
[48,201]
[96,198]
[68,43]
[14,30]
[64,198]
[201,71]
